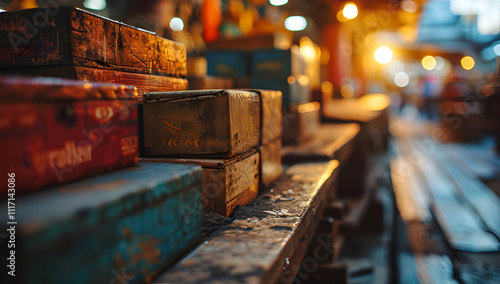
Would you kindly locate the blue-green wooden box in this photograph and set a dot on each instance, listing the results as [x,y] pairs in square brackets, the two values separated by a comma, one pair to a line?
[277,63]
[122,227]
[228,63]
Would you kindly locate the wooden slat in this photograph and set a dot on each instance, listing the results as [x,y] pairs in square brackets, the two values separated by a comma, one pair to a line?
[462,227]
[331,141]
[484,201]
[255,247]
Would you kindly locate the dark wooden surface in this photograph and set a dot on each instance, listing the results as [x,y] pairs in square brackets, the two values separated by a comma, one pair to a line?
[262,242]
[301,123]
[331,141]
[207,123]
[71,36]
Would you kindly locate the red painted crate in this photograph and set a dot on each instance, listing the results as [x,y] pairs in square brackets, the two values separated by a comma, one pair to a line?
[55,130]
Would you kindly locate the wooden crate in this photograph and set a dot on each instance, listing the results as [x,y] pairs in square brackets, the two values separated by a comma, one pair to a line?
[270,162]
[56,130]
[123,226]
[301,123]
[206,123]
[227,183]
[271,115]
[209,82]
[71,36]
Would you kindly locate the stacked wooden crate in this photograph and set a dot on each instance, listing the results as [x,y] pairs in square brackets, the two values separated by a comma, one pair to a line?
[121,226]
[223,131]
[72,43]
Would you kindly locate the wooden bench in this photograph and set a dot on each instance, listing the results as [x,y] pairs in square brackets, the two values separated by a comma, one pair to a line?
[268,238]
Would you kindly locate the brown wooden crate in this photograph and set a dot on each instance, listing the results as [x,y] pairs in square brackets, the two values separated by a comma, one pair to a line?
[209,123]
[301,123]
[271,117]
[227,183]
[143,82]
[70,36]
[270,162]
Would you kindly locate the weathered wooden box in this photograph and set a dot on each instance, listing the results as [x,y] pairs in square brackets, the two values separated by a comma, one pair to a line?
[277,63]
[206,123]
[120,227]
[271,114]
[228,63]
[54,130]
[301,123]
[270,162]
[71,36]
[227,183]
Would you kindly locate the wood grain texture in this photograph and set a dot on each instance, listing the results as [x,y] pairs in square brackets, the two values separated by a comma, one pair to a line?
[226,183]
[70,36]
[144,83]
[270,162]
[271,115]
[331,141]
[130,223]
[255,247]
[209,123]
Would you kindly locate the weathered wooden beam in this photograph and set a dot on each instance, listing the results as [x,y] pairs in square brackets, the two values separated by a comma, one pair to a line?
[261,243]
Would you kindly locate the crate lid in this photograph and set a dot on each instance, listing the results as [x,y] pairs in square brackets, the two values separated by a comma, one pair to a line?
[40,89]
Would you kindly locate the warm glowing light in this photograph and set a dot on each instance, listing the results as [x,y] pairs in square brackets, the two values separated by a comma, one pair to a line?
[325,55]
[290,80]
[308,51]
[347,91]
[440,63]
[429,62]
[326,87]
[95,4]
[383,54]
[374,102]
[176,24]
[341,18]
[401,79]
[295,23]
[303,80]
[350,11]
[312,106]
[496,49]
[467,62]
[409,6]
[278,2]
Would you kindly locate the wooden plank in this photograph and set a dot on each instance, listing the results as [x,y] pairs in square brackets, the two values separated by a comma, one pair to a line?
[226,183]
[462,228]
[55,131]
[71,36]
[132,222]
[434,269]
[255,247]
[208,123]
[411,196]
[482,199]
[143,82]
[331,141]
[270,162]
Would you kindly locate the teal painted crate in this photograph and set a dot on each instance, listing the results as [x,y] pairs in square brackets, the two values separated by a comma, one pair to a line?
[277,63]
[122,226]
[228,63]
